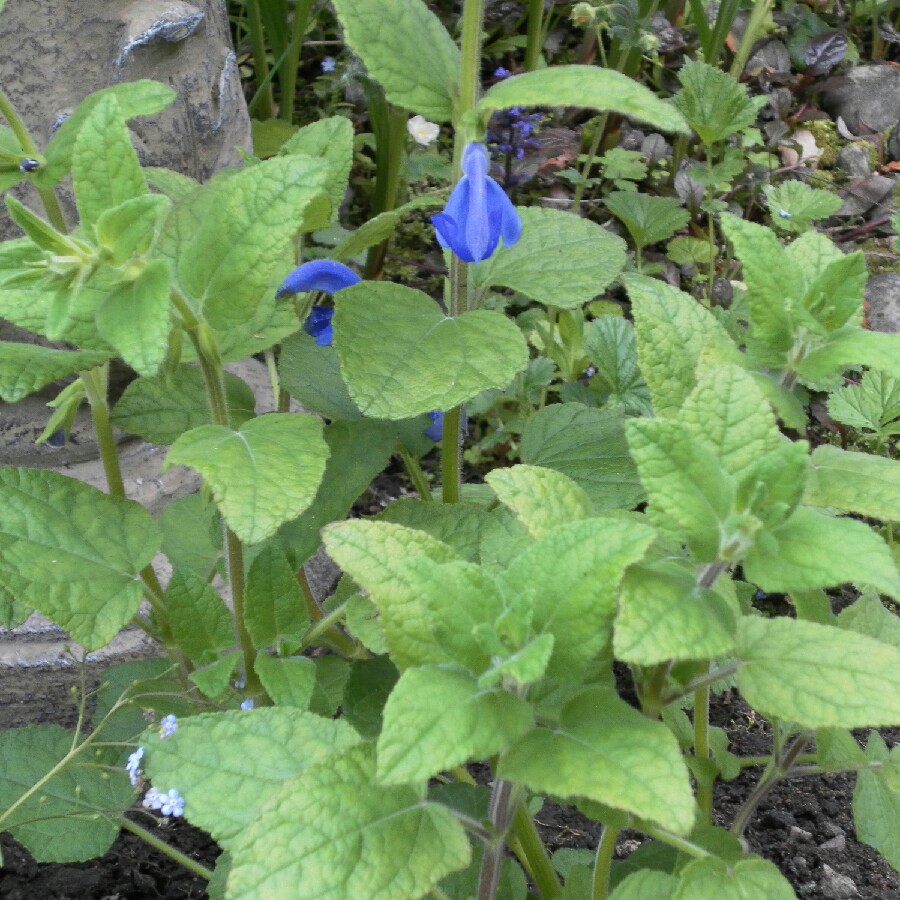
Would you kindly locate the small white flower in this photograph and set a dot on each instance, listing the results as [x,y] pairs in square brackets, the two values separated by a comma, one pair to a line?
[133,767]
[152,799]
[422,131]
[247,705]
[168,726]
[784,214]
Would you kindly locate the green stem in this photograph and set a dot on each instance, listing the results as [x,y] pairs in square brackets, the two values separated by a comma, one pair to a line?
[535,856]
[535,34]
[324,625]
[470,65]
[420,482]
[503,803]
[586,168]
[703,680]
[751,33]
[179,857]
[333,636]
[291,64]
[674,840]
[234,555]
[451,456]
[746,762]
[701,747]
[603,861]
[711,235]
[266,103]
[274,381]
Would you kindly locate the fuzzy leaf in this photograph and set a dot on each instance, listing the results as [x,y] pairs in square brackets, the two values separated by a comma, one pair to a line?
[275,610]
[856,482]
[610,345]
[648,219]
[873,404]
[876,806]
[747,879]
[288,680]
[802,204]
[26,368]
[850,348]
[200,620]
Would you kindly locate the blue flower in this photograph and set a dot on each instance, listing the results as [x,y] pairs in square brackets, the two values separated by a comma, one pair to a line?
[500,72]
[318,325]
[247,704]
[329,64]
[319,275]
[435,431]
[133,767]
[168,726]
[171,803]
[478,213]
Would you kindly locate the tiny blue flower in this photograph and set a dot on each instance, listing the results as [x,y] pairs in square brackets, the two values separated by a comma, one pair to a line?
[172,803]
[133,766]
[500,72]
[247,705]
[152,799]
[168,726]
[784,214]
[318,325]
[329,64]
[478,214]
[435,431]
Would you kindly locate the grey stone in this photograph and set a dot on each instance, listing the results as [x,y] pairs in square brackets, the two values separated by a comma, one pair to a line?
[52,55]
[799,834]
[835,886]
[867,98]
[883,299]
[772,56]
[837,844]
[861,194]
[854,160]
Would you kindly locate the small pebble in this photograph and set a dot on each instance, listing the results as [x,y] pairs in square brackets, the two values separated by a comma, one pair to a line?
[835,886]
[837,844]
[799,834]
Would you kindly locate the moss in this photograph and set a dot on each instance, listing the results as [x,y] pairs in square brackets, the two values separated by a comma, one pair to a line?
[879,256]
[828,140]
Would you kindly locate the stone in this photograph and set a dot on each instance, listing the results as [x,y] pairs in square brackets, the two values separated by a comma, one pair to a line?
[94,44]
[835,886]
[854,160]
[867,98]
[799,834]
[837,844]
[772,56]
[883,302]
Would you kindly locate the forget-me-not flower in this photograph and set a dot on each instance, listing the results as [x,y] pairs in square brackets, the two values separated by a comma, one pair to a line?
[329,64]
[247,704]
[168,726]
[133,766]
[478,214]
[171,803]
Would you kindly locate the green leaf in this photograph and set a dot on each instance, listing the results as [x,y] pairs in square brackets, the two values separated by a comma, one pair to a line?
[816,675]
[231,242]
[275,611]
[610,345]
[593,753]
[648,219]
[105,168]
[458,525]
[288,680]
[690,496]
[228,765]
[371,682]
[588,445]
[714,103]
[812,550]
[213,678]
[261,475]
[569,579]
[401,356]
[876,806]
[664,615]
[192,534]
[161,409]
[42,233]
[26,368]
[438,718]
[850,348]
[389,47]
[200,621]
[561,259]
[868,615]
[672,331]
[129,229]
[72,817]
[348,821]
[541,498]
[803,205]
[332,140]
[590,86]
[856,482]
[72,552]
[135,319]
[690,251]
[332,674]
[835,296]
[873,404]
[747,879]
[646,884]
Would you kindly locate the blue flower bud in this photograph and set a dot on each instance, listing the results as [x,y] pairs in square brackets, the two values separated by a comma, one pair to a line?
[435,431]
[319,275]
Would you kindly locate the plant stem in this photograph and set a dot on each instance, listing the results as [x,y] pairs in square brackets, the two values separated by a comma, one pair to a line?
[451,456]
[503,801]
[674,840]
[534,854]
[710,234]
[288,71]
[535,34]
[696,683]
[234,555]
[586,168]
[333,636]
[420,482]
[179,857]
[754,25]
[605,850]
[701,747]
[266,102]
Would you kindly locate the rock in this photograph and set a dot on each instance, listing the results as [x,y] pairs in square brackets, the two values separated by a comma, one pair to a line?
[835,886]
[883,302]
[799,834]
[861,194]
[771,56]
[96,43]
[867,98]
[854,160]
[837,844]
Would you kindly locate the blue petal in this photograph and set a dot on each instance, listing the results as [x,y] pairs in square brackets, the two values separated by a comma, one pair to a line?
[435,431]
[481,237]
[447,224]
[318,275]
[318,325]
[510,228]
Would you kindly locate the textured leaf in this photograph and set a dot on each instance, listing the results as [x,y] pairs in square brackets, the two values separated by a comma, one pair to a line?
[371,682]
[812,550]
[802,204]
[611,347]
[458,525]
[213,678]
[876,807]
[648,219]
[817,675]
[390,48]
[261,475]
[561,259]
[835,296]
[72,817]
[401,356]
[26,368]
[850,348]
[135,319]
[163,408]
[606,751]
[275,610]
[129,229]
[105,168]
[200,620]
[288,680]
[437,718]
[873,404]
[228,765]
[192,534]
[588,445]
[596,88]
[71,552]
[857,482]
[541,498]
[747,879]
[868,615]
[312,375]
[646,884]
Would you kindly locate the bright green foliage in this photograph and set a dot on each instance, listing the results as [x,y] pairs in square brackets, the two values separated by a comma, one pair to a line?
[331,140]
[857,482]
[714,103]
[261,475]
[646,884]
[231,242]
[10,154]
[648,219]
[816,675]
[459,525]
[664,615]
[161,409]
[747,879]
[71,552]
[812,550]
[72,817]
[370,683]
[606,751]
[128,229]
[588,445]
[228,765]
[105,168]
[213,678]
[872,405]
[42,233]
[511,884]
[610,345]
[312,375]
[424,82]
[437,718]
[868,615]
[288,680]
[192,534]
[685,251]
[26,368]
[275,610]
[339,849]
[851,347]
[802,204]
[568,579]
[541,498]
[401,356]
[589,86]
[561,259]
[876,805]
[135,319]
[200,620]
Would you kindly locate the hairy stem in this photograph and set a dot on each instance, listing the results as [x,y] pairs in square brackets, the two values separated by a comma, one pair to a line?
[503,800]
[603,861]
[179,857]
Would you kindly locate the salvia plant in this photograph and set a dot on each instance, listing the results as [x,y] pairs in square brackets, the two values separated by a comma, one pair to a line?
[479,624]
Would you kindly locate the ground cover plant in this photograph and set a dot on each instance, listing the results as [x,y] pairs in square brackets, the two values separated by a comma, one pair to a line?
[651,478]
